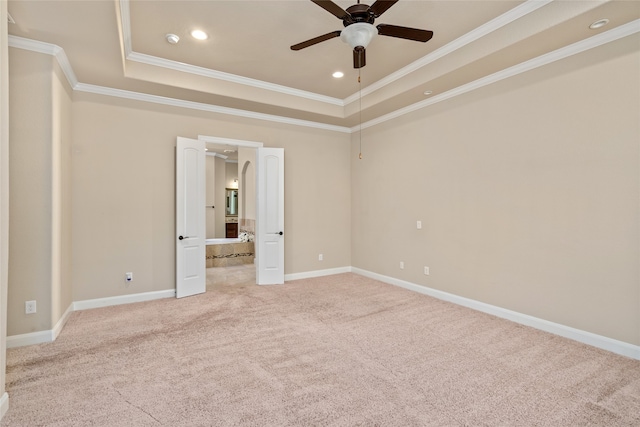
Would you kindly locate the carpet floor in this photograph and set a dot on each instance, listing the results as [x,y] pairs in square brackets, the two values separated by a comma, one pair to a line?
[341,350]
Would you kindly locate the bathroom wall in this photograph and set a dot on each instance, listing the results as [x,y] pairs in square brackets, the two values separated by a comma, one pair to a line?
[220,190]
[210,198]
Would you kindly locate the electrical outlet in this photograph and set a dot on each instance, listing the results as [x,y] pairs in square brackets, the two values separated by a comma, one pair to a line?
[419,225]
[426,271]
[401,265]
[29,307]
[320,257]
[128,277]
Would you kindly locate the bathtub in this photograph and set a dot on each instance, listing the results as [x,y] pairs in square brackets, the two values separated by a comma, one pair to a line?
[222,241]
[229,252]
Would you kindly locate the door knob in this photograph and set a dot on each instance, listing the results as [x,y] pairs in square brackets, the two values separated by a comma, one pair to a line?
[182,237]
[281,233]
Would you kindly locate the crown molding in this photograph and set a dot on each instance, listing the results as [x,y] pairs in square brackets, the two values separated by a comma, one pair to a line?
[622,31]
[556,55]
[155,99]
[506,18]
[125,16]
[49,49]
[63,61]
[228,77]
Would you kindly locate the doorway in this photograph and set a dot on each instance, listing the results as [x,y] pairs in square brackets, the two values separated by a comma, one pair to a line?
[264,209]
[230,251]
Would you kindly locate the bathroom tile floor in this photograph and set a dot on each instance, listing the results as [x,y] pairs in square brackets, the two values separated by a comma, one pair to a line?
[237,275]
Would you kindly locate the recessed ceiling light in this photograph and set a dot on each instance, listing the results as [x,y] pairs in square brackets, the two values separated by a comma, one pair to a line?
[599,24]
[428,92]
[338,74]
[172,38]
[199,34]
[229,151]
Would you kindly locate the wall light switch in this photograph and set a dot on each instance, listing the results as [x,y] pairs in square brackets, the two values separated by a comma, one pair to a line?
[401,265]
[320,257]
[419,225]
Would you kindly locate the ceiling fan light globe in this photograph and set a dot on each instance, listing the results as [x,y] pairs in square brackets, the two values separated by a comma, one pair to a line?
[358,34]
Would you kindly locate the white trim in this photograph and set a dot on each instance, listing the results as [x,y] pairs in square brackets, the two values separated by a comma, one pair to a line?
[123,299]
[119,93]
[506,18]
[229,141]
[473,35]
[581,46]
[30,338]
[60,324]
[130,55]
[125,19]
[4,404]
[548,58]
[218,155]
[49,49]
[232,78]
[50,335]
[316,273]
[599,341]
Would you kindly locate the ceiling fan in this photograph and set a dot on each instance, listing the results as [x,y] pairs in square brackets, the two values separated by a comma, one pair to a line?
[359,29]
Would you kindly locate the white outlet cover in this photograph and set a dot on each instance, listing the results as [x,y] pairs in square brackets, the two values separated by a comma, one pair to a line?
[30,307]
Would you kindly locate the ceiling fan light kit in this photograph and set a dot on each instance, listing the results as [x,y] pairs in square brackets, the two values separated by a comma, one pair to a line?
[359,29]
[358,34]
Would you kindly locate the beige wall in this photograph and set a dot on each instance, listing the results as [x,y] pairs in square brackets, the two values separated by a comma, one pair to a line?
[61,195]
[40,192]
[30,234]
[124,184]
[231,175]
[4,200]
[210,214]
[221,192]
[247,188]
[527,191]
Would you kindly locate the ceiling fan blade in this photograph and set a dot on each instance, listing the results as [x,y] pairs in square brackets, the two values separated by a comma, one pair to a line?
[359,57]
[381,6]
[332,8]
[405,32]
[316,40]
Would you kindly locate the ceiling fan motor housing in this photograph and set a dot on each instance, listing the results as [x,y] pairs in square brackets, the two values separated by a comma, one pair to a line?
[358,13]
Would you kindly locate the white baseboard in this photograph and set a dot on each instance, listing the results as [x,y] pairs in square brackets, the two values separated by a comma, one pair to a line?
[4,404]
[123,299]
[31,338]
[63,321]
[41,337]
[316,273]
[605,343]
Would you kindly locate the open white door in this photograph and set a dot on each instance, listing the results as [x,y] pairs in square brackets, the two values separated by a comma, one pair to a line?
[191,275]
[270,221]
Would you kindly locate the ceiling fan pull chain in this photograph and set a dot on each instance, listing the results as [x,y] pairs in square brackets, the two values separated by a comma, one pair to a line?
[360,87]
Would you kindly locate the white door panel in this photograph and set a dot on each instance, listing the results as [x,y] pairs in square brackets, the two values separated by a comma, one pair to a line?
[270,221]
[191,275]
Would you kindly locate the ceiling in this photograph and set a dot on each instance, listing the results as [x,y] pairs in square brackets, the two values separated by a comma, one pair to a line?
[246,65]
